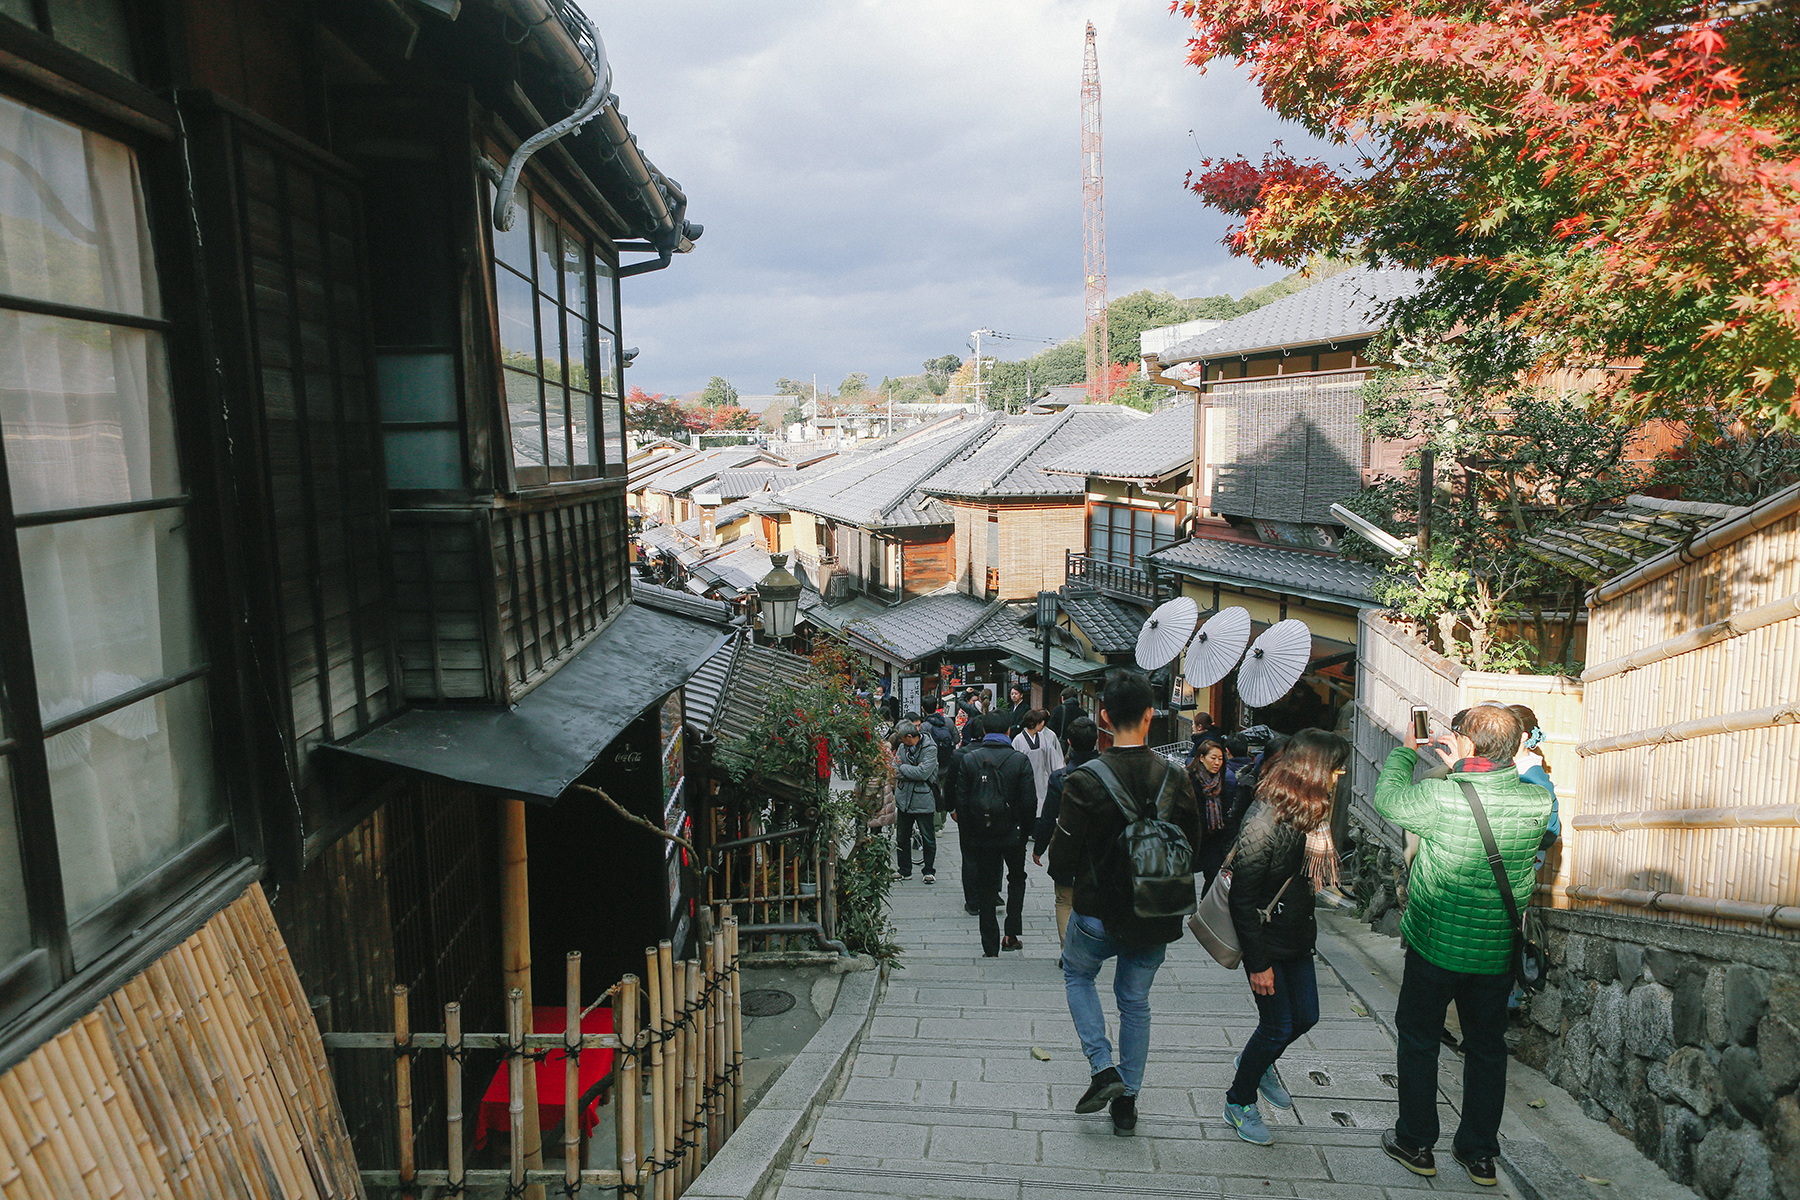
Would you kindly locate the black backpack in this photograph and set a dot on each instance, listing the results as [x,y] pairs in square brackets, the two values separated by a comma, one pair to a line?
[1149,870]
[985,812]
[942,734]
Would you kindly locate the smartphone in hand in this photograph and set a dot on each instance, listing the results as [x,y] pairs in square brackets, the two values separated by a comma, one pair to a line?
[1421,725]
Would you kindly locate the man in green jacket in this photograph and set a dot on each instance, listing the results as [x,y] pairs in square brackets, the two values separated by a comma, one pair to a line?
[1459,942]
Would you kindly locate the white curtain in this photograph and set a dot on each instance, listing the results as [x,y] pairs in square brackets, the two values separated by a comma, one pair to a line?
[84,407]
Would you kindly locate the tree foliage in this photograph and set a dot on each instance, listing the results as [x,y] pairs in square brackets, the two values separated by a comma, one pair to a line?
[655,413]
[718,393]
[1594,184]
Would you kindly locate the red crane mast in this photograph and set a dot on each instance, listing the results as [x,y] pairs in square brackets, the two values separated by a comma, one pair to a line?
[1093,225]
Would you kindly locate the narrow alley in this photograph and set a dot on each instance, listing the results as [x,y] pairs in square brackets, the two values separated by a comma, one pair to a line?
[945,1099]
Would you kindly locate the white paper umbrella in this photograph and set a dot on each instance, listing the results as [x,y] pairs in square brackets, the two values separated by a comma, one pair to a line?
[1218,647]
[1275,663]
[1166,632]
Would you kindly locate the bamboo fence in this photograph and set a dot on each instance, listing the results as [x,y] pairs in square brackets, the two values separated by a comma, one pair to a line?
[202,1077]
[678,1045]
[1395,671]
[1690,758]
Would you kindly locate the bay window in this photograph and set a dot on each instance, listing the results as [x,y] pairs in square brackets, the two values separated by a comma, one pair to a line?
[107,785]
[557,305]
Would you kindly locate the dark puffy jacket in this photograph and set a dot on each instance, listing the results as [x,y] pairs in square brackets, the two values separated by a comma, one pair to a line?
[1269,853]
[1088,825]
[943,735]
[1017,784]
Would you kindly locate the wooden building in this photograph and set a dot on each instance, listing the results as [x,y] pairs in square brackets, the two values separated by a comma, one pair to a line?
[314,451]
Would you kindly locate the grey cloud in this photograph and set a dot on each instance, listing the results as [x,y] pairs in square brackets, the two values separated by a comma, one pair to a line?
[876,179]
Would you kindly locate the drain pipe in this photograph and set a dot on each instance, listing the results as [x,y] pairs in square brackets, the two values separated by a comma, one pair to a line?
[535,15]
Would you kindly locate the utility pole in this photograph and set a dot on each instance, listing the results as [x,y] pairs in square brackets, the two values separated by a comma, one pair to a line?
[979,406]
[1093,225]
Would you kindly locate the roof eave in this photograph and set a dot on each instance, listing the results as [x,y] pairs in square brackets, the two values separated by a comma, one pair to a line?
[1235,352]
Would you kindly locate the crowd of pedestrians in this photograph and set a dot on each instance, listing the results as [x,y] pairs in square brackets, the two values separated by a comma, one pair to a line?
[1131,839]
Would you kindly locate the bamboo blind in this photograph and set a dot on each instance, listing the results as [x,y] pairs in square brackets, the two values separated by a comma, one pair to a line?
[203,1077]
[1739,841]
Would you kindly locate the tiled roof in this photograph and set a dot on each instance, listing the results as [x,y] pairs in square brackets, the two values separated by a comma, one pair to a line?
[999,623]
[1640,529]
[1336,309]
[912,630]
[681,603]
[1011,462]
[878,488]
[738,566]
[1110,625]
[738,482]
[1156,447]
[655,461]
[684,475]
[725,515]
[1296,572]
[731,689]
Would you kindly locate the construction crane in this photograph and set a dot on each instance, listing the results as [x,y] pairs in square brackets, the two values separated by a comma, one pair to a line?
[1093,226]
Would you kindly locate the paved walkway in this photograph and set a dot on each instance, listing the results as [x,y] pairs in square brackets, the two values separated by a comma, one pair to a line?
[945,1099]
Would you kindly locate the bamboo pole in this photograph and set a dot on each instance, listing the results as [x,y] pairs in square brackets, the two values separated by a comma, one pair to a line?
[515,955]
[572,1072]
[704,1021]
[1681,731]
[737,1022]
[453,1091]
[659,1125]
[515,1087]
[690,1052]
[403,1097]
[1749,816]
[716,1131]
[628,1088]
[671,1059]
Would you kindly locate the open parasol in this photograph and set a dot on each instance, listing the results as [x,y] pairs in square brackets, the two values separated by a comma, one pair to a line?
[1166,632]
[1217,647]
[1275,663]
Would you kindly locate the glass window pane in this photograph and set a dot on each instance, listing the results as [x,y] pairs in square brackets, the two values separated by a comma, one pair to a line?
[575,274]
[84,410]
[513,246]
[15,917]
[614,430]
[518,338]
[71,216]
[608,312]
[550,329]
[546,245]
[524,414]
[108,603]
[579,374]
[1098,544]
[581,420]
[423,458]
[130,790]
[96,28]
[606,364]
[556,429]
[417,387]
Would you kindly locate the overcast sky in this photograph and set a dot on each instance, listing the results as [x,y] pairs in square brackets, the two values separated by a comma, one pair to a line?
[879,177]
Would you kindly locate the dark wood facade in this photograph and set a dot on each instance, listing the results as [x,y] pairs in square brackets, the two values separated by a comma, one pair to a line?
[366,531]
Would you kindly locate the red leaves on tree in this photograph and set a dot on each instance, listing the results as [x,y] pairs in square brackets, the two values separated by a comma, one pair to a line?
[1663,189]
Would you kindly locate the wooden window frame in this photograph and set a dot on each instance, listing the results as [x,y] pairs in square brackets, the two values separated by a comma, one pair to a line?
[71,965]
[540,191]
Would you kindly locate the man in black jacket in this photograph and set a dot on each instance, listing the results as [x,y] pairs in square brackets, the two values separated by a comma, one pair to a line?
[1104,924]
[1082,738]
[996,802]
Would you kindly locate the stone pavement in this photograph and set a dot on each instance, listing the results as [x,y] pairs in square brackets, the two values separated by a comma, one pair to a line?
[945,1099]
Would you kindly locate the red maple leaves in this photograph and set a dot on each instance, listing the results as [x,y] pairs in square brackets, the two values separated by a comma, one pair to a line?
[1642,182]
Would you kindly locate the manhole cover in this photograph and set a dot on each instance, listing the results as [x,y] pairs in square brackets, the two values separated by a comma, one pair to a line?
[767,1002]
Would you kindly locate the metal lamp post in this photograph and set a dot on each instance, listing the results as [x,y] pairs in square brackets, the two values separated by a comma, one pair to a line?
[778,592]
[1046,619]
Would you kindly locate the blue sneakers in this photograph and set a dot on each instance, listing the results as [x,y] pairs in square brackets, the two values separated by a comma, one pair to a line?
[1248,1122]
[1270,1086]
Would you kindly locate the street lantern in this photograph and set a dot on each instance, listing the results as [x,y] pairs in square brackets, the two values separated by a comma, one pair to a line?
[1046,619]
[779,594]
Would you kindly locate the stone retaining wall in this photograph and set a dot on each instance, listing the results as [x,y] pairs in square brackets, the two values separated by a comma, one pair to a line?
[1685,1040]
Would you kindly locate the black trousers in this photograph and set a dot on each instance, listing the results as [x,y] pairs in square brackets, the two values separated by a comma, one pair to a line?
[1015,888]
[1425,992]
[904,825]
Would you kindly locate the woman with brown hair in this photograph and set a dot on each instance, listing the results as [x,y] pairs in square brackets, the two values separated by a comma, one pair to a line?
[1272,910]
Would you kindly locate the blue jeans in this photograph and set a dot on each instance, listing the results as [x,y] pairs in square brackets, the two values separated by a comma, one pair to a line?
[1085,948]
[1283,1017]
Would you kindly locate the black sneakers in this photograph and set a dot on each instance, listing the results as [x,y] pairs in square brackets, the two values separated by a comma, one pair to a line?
[1105,1087]
[1419,1162]
[1124,1115]
[1481,1170]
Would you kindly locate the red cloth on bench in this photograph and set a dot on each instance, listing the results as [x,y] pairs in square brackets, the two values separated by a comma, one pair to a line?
[594,1064]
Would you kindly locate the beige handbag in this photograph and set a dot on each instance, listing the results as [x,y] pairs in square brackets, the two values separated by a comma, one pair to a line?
[1211,923]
